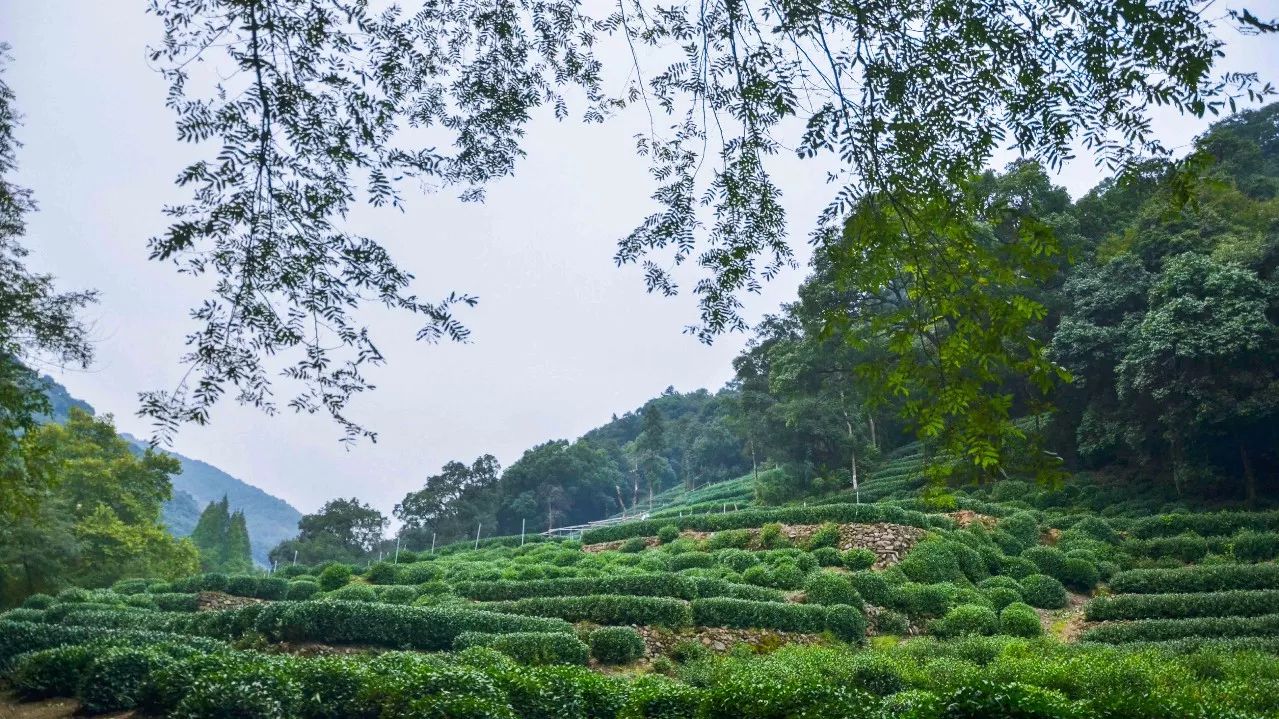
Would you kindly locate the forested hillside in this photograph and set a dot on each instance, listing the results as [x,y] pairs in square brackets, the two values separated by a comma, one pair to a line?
[270,519]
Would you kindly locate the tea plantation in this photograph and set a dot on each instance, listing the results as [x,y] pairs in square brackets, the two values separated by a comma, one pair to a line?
[1011,601]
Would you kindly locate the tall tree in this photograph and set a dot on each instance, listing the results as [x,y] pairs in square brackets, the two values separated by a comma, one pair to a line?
[38,324]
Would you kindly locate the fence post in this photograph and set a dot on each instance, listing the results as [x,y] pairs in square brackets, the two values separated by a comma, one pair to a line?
[478,525]
[432,542]
[522,522]
[397,551]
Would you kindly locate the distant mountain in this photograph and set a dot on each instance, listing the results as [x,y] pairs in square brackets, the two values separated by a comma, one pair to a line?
[270,519]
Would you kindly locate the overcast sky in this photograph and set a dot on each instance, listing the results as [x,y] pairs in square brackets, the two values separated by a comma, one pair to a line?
[561,338]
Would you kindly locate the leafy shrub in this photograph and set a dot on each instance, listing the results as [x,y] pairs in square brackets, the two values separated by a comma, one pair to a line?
[831,588]
[605,609]
[931,562]
[649,584]
[38,601]
[1080,574]
[381,573]
[827,557]
[1018,567]
[886,621]
[966,619]
[1237,603]
[1049,560]
[859,558]
[771,537]
[253,688]
[1001,597]
[924,600]
[725,612]
[1044,592]
[300,589]
[242,585]
[331,687]
[826,535]
[50,672]
[73,595]
[1000,581]
[1023,526]
[528,647]
[396,594]
[335,576]
[616,645]
[1251,546]
[633,545]
[873,587]
[656,697]
[1196,579]
[786,575]
[668,534]
[354,593]
[1097,528]
[114,680]
[691,560]
[1020,620]
[130,586]
[730,539]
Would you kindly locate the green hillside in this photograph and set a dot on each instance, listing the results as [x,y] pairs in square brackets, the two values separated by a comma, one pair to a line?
[271,520]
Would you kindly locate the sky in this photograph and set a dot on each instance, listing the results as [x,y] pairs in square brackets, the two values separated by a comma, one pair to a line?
[561,339]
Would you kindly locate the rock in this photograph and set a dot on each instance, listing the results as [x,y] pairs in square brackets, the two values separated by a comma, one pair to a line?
[719,646]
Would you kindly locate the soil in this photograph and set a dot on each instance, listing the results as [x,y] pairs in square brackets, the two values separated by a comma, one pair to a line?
[11,708]
[1067,623]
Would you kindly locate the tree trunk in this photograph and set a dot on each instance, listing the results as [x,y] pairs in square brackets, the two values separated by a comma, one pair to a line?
[620,500]
[1250,479]
[873,442]
[852,448]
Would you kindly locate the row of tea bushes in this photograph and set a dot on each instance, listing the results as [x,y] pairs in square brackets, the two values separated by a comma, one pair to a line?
[648,584]
[1239,603]
[1158,630]
[1200,578]
[815,514]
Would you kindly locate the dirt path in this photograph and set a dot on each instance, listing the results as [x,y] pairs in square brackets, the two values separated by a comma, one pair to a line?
[1067,623]
[11,708]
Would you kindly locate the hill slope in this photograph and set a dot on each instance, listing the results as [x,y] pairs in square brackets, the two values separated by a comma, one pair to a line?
[270,519]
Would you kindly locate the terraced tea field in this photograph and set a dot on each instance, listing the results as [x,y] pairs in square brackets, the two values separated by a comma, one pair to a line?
[827,608]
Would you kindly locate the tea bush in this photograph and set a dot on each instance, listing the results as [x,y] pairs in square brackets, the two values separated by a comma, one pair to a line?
[831,588]
[1043,592]
[966,619]
[51,672]
[605,609]
[335,576]
[529,647]
[1239,603]
[1020,620]
[616,645]
[1196,579]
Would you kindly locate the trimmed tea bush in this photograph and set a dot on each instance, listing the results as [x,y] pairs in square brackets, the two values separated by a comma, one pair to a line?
[300,589]
[528,647]
[51,672]
[114,680]
[812,514]
[335,576]
[616,645]
[1044,592]
[859,558]
[745,614]
[831,588]
[668,534]
[966,619]
[1020,620]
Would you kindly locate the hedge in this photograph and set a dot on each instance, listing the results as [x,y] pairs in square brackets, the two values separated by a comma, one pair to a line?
[529,647]
[844,621]
[175,602]
[605,609]
[1158,630]
[1239,603]
[966,619]
[388,625]
[1208,578]
[816,514]
[48,673]
[19,637]
[648,585]
[1208,524]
